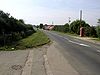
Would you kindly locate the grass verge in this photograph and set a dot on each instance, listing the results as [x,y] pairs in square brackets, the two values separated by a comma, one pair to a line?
[35,40]
[96,40]
[69,34]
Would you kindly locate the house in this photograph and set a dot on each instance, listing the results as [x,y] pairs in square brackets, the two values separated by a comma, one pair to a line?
[48,27]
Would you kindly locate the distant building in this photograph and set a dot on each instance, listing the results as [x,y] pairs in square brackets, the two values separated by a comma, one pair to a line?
[48,27]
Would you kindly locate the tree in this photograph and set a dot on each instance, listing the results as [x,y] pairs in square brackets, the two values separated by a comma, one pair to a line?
[66,27]
[59,28]
[13,28]
[62,28]
[93,32]
[98,31]
[98,22]
[41,26]
[90,31]
[4,17]
[22,21]
[98,28]
[75,26]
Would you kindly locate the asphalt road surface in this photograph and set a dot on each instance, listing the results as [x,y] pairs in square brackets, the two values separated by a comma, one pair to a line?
[82,55]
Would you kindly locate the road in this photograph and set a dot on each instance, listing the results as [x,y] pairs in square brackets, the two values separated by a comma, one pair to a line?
[83,56]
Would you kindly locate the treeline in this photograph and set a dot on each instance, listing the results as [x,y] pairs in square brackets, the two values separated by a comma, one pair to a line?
[12,29]
[74,27]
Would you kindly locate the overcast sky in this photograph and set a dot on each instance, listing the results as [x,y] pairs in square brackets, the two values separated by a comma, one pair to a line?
[46,11]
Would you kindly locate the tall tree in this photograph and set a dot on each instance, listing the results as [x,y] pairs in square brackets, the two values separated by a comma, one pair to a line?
[75,26]
[98,28]
[41,25]
[98,22]
[66,27]
[13,28]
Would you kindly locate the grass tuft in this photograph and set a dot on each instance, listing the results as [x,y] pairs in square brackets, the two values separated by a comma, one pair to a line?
[35,40]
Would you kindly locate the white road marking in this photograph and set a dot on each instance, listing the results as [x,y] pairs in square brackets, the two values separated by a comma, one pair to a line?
[81,44]
[98,51]
[84,45]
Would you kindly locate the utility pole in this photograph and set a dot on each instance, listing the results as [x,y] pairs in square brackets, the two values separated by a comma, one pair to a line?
[80,17]
[81,28]
[52,23]
[69,20]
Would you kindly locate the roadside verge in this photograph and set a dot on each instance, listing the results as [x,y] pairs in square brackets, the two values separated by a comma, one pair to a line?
[35,40]
[89,39]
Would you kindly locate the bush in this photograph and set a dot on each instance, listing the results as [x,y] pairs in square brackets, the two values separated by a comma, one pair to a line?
[87,31]
[93,32]
[98,31]
[75,26]
[66,28]
[29,32]
[16,36]
[13,29]
[62,28]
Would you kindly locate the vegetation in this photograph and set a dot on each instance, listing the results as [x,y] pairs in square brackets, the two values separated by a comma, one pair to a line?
[98,29]
[34,40]
[41,26]
[90,31]
[12,29]
[62,28]
[74,28]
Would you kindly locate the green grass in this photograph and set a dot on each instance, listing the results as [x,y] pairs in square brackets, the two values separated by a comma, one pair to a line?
[62,33]
[75,35]
[96,39]
[35,40]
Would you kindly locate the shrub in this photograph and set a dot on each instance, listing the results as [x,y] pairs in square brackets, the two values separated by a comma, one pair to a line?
[98,31]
